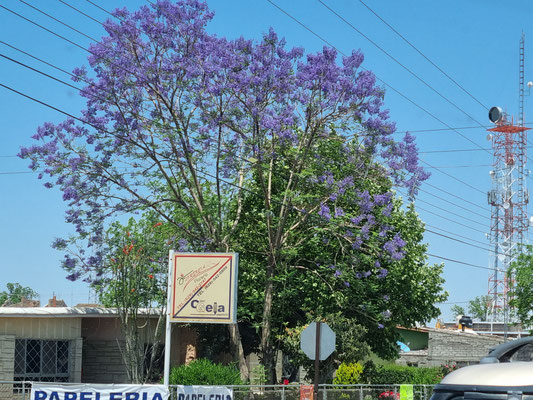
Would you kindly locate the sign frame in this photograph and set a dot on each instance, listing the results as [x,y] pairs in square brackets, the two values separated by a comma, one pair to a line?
[206,274]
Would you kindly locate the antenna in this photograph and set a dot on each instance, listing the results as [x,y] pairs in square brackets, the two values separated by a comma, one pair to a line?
[508,197]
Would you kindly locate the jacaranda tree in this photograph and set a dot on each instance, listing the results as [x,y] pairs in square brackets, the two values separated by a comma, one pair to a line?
[178,121]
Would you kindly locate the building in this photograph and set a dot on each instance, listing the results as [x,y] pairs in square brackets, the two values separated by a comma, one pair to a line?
[435,347]
[73,344]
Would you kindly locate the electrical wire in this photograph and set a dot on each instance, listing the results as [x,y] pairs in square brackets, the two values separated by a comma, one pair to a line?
[399,63]
[425,57]
[378,78]
[454,204]
[449,219]
[63,82]
[38,71]
[464,263]
[62,37]
[455,196]
[453,177]
[205,173]
[58,20]
[456,234]
[458,240]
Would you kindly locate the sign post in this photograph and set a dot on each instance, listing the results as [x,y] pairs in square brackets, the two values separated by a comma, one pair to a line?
[202,288]
[317,342]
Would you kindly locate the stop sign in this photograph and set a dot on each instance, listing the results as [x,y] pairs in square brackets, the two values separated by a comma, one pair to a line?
[308,341]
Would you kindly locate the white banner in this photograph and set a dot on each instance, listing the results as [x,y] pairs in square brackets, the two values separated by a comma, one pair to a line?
[89,391]
[204,393]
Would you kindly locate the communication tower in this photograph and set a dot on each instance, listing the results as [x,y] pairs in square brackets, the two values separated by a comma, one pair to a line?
[508,198]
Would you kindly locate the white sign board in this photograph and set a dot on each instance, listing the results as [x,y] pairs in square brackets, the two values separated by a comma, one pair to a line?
[204,287]
[204,393]
[308,341]
[90,391]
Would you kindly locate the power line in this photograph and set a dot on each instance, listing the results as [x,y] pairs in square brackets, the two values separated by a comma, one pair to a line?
[455,204]
[458,240]
[275,6]
[44,28]
[81,12]
[445,210]
[457,197]
[449,151]
[456,234]
[58,21]
[399,63]
[423,55]
[463,263]
[38,71]
[72,85]
[101,8]
[386,84]
[461,166]
[449,219]
[199,171]
[453,177]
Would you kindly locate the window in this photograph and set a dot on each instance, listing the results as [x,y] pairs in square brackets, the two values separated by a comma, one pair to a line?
[42,360]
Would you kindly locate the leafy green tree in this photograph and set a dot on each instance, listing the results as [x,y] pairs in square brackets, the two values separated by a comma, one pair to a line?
[133,280]
[177,118]
[458,310]
[522,292]
[368,268]
[479,307]
[15,292]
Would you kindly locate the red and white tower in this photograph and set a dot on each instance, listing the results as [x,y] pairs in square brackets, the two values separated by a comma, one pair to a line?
[508,198]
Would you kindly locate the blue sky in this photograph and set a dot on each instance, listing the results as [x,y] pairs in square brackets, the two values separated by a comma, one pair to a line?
[474,42]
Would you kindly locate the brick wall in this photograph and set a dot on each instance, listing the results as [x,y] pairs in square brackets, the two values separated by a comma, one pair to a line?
[102,362]
[459,347]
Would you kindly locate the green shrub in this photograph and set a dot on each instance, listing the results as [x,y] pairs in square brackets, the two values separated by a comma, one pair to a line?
[398,374]
[348,374]
[204,372]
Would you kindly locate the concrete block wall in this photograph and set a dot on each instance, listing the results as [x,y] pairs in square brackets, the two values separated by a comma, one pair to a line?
[7,365]
[7,357]
[76,352]
[459,347]
[102,362]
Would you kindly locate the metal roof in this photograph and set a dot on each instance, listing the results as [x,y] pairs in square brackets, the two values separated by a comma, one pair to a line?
[67,312]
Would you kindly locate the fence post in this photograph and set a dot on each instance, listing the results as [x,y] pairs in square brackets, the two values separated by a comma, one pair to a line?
[283,392]
[361,392]
[324,393]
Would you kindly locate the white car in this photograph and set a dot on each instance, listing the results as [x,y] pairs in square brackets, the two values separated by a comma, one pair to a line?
[499,376]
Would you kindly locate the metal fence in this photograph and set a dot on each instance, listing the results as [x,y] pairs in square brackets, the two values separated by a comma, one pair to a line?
[325,392]
[15,390]
[20,390]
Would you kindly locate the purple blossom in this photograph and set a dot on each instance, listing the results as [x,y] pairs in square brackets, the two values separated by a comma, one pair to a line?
[324,212]
[346,283]
[337,273]
[382,273]
[381,326]
[264,87]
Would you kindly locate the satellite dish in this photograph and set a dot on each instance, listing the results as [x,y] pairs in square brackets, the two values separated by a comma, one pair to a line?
[495,114]
[506,205]
[489,137]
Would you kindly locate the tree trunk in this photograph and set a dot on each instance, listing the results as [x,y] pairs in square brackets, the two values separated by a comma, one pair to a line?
[239,351]
[267,351]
